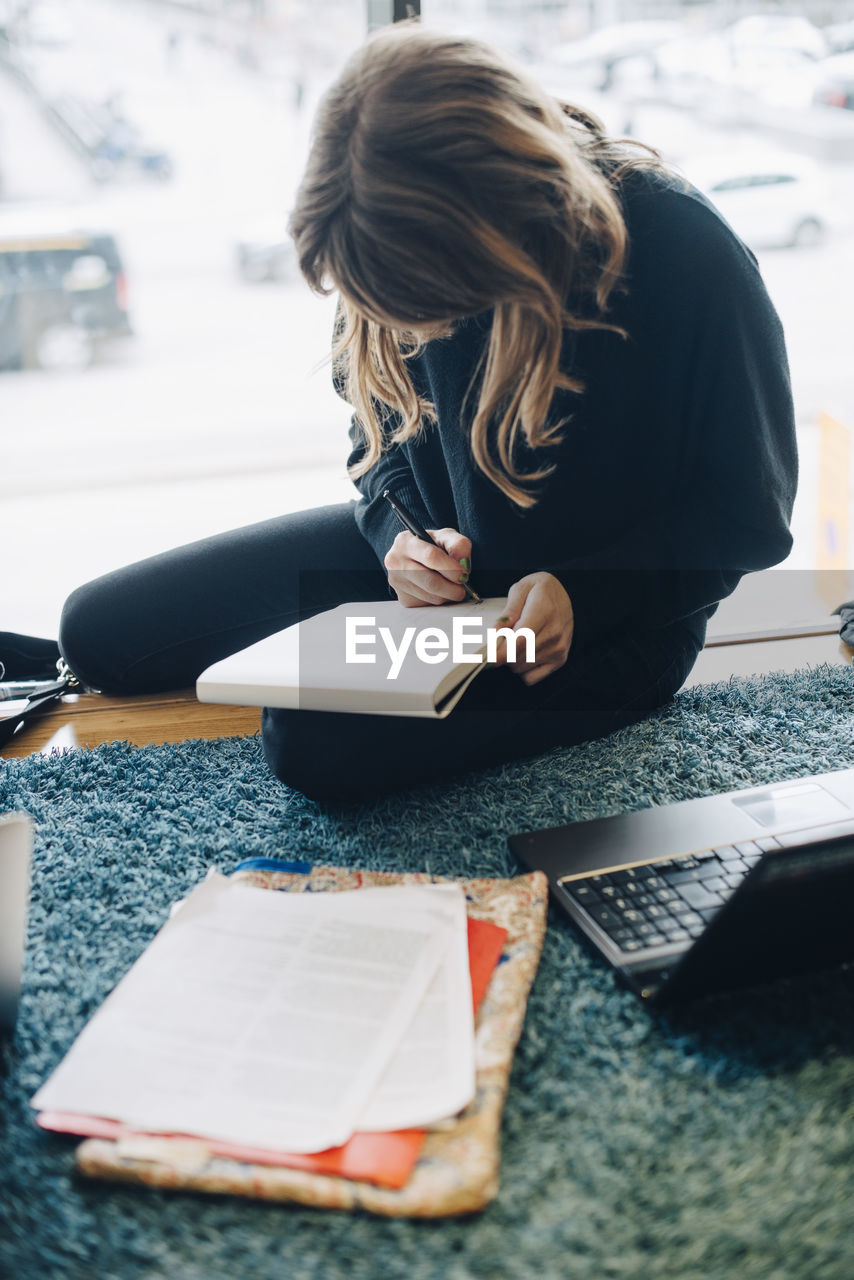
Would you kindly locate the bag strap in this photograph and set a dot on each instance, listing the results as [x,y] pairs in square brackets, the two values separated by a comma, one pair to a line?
[42,699]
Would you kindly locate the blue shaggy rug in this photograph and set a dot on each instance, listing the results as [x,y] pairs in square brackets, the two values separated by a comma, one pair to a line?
[716,1144]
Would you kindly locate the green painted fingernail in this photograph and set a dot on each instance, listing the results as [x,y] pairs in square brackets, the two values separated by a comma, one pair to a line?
[464,564]
[505,617]
[463,578]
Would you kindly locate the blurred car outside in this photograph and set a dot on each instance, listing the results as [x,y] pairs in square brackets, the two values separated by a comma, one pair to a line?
[694,58]
[62,290]
[616,52]
[769,58]
[47,23]
[694,68]
[839,37]
[836,86]
[774,57]
[774,74]
[791,32]
[770,199]
[264,251]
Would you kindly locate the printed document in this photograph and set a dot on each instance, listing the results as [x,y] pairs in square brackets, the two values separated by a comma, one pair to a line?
[432,1073]
[270,1018]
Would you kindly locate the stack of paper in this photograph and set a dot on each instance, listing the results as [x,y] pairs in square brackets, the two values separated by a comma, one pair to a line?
[284,1021]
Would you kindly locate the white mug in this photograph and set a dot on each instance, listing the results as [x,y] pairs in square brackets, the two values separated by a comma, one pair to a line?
[16,843]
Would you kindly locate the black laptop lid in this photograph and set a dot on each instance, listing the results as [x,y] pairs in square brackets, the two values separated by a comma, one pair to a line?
[792,914]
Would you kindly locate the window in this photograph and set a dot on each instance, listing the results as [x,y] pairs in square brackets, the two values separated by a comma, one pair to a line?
[169,141]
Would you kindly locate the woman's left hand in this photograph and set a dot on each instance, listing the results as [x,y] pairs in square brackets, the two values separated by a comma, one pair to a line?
[540,601]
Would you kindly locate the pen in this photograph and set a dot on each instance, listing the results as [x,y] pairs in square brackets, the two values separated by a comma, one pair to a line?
[409,522]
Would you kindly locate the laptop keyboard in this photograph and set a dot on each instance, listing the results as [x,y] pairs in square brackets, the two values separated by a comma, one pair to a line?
[662,903]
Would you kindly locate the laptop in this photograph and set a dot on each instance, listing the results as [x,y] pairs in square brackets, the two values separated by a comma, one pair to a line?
[707,895]
[16,841]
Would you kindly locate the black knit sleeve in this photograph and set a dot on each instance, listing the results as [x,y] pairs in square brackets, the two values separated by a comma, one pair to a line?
[374,517]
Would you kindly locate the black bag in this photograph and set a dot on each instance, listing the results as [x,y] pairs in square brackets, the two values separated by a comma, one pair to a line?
[27,657]
[33,677]
[846,613]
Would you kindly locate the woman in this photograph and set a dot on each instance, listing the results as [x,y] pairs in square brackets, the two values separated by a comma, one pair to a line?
[560,358]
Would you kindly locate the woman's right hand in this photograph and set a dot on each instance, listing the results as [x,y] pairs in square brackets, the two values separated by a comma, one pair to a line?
[420,574]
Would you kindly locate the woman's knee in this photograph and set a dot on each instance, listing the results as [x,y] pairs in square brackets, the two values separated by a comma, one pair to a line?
[313,753]
[84,638]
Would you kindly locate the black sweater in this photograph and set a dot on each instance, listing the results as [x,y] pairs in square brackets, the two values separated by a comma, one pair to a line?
[678,466]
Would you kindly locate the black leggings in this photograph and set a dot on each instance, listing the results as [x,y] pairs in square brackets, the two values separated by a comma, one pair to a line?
[158,624]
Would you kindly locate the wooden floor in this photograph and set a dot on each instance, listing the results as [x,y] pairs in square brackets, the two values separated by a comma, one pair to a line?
[85,720]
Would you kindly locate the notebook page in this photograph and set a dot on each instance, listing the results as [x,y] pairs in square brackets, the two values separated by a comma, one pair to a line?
[256,1017]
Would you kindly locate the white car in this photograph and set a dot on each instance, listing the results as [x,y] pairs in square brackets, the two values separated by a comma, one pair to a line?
[611,53]
[265,251]
[771,200]
[49,24]
[778,31]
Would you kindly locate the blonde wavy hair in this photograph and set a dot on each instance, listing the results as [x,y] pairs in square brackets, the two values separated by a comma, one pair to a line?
[443,183]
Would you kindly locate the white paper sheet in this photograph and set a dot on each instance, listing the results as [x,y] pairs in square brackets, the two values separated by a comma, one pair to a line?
[259,1017]
[432,1073]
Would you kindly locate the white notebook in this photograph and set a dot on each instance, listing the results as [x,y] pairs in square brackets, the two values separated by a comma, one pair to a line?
[371,657]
